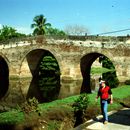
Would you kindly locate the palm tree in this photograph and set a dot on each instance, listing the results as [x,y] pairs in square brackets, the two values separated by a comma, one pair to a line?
[40,25]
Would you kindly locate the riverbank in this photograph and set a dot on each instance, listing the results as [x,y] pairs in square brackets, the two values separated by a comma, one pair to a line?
[59,114]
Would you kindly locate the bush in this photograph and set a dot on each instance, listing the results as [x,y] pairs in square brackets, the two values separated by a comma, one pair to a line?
[49,78]
[30,105]
[127,82]
[81,103]
[110,77]
[53,125]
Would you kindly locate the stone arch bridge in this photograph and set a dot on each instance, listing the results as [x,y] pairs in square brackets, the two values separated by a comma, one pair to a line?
[20,59]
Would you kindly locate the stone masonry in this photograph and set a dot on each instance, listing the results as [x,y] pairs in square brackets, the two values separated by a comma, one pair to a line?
[74,57]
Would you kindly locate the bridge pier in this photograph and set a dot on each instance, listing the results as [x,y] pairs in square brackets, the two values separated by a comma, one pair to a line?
[68,54]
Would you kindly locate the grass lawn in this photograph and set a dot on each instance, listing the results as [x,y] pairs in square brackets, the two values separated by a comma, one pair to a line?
[100,70]
[119,94]
[16,115]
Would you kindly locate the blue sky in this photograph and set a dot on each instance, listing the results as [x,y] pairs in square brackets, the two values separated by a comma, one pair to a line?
[97,15]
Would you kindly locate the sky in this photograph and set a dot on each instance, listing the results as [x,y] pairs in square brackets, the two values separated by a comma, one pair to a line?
[98,16]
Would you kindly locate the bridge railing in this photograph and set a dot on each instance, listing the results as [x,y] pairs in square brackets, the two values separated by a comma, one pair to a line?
[91,37]
[37,39]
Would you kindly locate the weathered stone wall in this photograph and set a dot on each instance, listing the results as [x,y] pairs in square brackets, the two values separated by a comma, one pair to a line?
[68,54]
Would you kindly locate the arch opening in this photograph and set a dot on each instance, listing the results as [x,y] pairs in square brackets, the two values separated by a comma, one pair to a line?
[85,65]
[4,77]
[43,78]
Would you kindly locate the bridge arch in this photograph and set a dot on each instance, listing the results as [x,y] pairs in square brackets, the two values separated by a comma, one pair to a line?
[85,66]
[4,76]
[57,56]
[104,52]
[70,54]
[32,61]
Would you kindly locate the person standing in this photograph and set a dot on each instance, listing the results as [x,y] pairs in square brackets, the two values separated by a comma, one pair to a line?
[104,93]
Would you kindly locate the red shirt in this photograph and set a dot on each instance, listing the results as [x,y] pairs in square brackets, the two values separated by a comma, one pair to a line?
[104,92]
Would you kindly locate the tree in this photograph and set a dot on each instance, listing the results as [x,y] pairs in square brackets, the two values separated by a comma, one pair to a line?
[8,32]
[40,26]
[55,31]
[76,30]
[49,78]
[111,76]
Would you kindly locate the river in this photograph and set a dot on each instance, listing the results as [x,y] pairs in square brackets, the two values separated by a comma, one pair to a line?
[67,88]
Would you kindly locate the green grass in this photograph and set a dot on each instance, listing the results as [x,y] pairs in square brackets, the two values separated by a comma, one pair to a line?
[11,117]
[100,70]
[16,116]
[119,94]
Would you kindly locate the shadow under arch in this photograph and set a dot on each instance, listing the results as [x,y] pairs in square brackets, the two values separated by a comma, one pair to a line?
[85,65]
[34,59]
[4,77]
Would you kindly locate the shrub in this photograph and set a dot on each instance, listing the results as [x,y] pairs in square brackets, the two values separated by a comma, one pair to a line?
[49,78]
[53,125]
[81,103]
[127,82]
[110,77]
[31,105]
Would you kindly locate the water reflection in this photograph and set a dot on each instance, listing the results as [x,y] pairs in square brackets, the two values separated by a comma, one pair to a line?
[68,88]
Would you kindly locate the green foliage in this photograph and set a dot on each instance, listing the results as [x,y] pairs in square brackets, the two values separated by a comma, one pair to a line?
[49,63]
[49,78]
[81,103]
[8,117]
[120,92]
[40,26]
[127,82]
[8,32]
[110,77]
[30,105]
[55,31]
[112,80]
[53,125]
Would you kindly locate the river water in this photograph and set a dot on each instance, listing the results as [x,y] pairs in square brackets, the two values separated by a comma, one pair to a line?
[67,88]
